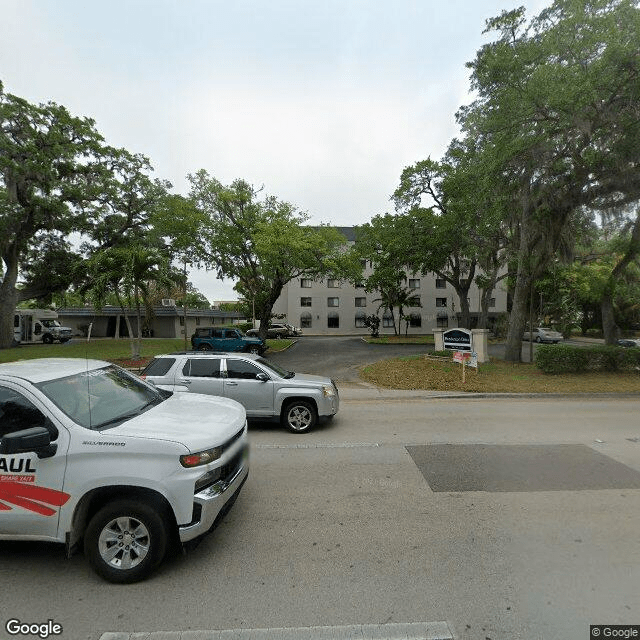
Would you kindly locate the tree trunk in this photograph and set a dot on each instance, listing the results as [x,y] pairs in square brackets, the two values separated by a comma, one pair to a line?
[609,326]
[8,297]
[265,309]
[518,317]
[483,318]
[465,313]
[138,342]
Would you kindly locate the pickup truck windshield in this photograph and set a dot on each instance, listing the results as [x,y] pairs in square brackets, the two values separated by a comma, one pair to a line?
[100,398]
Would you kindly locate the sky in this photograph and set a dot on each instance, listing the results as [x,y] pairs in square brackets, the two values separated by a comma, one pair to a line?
[323,103]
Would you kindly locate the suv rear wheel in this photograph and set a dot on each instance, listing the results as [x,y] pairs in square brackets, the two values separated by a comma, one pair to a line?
[205,347]
[299,416]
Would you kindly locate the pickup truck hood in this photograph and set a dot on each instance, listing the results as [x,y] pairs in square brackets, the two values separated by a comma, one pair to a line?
[194,420]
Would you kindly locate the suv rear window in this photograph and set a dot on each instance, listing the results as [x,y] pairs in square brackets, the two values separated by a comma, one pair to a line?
[158,367]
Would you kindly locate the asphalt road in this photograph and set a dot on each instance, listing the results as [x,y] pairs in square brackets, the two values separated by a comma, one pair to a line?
[348,525]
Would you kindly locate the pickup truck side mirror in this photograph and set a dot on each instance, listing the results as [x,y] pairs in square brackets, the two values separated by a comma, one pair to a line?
[263,377]
[37,439]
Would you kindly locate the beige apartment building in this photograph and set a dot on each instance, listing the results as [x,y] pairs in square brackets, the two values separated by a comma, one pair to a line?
[330,306]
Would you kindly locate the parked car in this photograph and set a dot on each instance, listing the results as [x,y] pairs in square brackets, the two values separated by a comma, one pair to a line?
[278,330]
[266,390]
[225,339]
[544,334]
[629,342]
[90,453]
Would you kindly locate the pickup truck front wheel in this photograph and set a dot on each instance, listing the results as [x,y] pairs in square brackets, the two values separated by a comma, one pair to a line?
[125,541]
[299,416]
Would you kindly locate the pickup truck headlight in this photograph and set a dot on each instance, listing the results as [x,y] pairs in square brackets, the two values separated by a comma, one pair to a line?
[328,391]
[201,457]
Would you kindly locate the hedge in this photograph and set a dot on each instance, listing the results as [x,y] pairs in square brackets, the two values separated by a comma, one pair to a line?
[568,359]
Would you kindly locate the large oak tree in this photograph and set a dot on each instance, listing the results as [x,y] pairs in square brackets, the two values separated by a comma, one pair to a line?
[558,118]
[263,243]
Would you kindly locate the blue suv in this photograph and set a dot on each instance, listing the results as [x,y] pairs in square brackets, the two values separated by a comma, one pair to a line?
[224,339]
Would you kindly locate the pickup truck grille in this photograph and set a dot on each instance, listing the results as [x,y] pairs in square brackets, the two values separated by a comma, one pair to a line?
[228,470]
[229,443]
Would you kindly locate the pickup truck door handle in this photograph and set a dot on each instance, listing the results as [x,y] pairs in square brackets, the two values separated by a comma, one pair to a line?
[231,384]
[184,381]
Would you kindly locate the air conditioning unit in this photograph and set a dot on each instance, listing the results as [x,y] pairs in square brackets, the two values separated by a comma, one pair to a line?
[168,302]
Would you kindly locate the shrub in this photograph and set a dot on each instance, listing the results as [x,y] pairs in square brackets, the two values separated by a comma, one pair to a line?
[556,359]
[561,359]
[372,322]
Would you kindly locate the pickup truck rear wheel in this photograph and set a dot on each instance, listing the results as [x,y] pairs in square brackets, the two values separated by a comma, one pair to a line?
[299,416]
[125,541]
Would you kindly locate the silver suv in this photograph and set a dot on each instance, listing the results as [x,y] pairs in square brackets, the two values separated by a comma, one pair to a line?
[278,330]
[267,391]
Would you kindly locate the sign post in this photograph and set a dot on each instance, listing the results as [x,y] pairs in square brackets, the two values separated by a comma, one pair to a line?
[466,358]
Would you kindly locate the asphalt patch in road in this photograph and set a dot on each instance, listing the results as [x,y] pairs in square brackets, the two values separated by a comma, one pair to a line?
[512,468]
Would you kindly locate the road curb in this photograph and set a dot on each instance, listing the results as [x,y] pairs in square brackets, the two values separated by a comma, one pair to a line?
[391,631]
[378,393]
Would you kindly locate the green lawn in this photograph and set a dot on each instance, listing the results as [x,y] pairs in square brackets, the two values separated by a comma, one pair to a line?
[118,351]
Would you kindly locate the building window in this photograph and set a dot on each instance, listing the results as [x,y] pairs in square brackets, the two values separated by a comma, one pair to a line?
[363,263]
[387,320]
[305,302]
[415,320]
[333,302]
[441,283]
[360,317]
[442,322]
[359,285]
[305,320]
[181,320]
[197,321]
[306,283]
[414,301]
[361,302]
[492,302]
[414,283]
[333,320]
[333,284]
[441,302]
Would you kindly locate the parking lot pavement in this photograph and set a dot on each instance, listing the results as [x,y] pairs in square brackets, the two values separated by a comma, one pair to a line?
[339,357]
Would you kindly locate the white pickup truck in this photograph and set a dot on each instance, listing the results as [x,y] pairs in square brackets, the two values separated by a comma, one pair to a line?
[89,452]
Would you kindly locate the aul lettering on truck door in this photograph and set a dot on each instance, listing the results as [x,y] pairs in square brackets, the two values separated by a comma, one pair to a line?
[31,492]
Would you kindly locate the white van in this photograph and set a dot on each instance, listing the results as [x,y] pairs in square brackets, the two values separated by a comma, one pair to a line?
[39,325]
